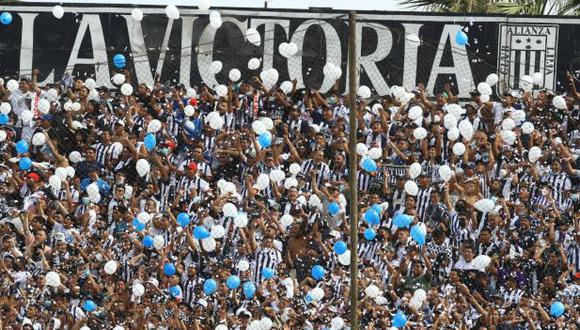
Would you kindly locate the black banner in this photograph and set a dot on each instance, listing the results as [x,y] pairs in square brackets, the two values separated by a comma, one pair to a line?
[87,37]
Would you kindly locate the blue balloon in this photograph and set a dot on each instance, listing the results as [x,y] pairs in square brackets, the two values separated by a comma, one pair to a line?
[6,18]
[557,309]
[333,208]
[169,269]
[418,234]
[402,220]
[309,297]
[340,247]
[267,273]
[138,225]
[21,146]
[175,291]
[233,282]
[370,234]
[3,119]
[183,219]
[249,290]
[209,286]
[148,241]
[89,306]
[369,165]
[199,232]
[372,217]
[150,141]
[377,208]
[119,61]
[25,163]
[399,320]
[189,127]
[318,272]
[461,38]
[265,139]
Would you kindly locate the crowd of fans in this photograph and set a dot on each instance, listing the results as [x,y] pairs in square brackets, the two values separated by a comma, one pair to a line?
[137,200]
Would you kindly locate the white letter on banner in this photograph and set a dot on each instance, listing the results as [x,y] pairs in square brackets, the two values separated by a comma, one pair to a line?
[461,68]
[268,39]
[99,60]
[410,55]
[368,62]
[333,52]
[205,52]
[139,50]
[186,44]
[27,43]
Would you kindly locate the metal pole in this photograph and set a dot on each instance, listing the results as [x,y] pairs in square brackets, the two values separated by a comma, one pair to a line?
[265,4]
[353,161]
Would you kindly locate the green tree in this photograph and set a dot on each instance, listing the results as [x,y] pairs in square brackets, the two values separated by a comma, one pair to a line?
[512,7]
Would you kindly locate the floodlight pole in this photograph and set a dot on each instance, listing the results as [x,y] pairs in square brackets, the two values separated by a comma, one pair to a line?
[353,161]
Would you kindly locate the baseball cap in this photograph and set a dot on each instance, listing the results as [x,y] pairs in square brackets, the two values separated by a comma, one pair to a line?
[34,176]
[192,166]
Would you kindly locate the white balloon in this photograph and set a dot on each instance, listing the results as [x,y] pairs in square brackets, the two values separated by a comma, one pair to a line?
[258,127]
[420,133]
[90,83]
[215,67]
[263,181]
[286,87]
[218,231]
[189,110]
[61,173]
[283,49]
[534,154]
[44,106]
[55,182]
[137,14]
[466,129]
[484,98]
[526,82]
[375,153]
[74,157]
[215,19]
[508,137]
[234,75]
[126,89]
[337,323]
[484,205]
[221,90]
[445,172]
[314,201]
[344,258]
[58,11]
[52,279]
[3,135]
[420,294]
[492,79]
[364,92]
[481,262]
[253,63]
[143,217]
[362,149]
[52,95]
[75,106]
[253,36]
[484,88]
[411,188]
[158,242]
[453,134]
[5,108]
[208,244]
[458,148]
[508,124]
[243,265]
[415,170]
[12,85]
[415,303]
[142,167]
[277,175]
[286,220]
[217,123]
[290,182]
[269,77]
[138,289]
[317,293]
[291,49]
[118,78]
[519,115]
[204,4]
[559,102]
[266,323]
[240,219]
[415,112]
[191,93]
[111,267]
[538,78]
[70,171]
[95,198]
[38,139]
[268,122]
[230,210]
[450,121]
[154,126]
[94,95]
[527,127]
[295,168]
[372,291]
[26,116]
[172,12]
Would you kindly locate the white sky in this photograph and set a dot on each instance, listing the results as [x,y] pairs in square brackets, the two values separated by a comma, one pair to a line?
[301,4]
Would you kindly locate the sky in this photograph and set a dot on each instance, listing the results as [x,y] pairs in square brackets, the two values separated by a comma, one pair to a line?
[300,4]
